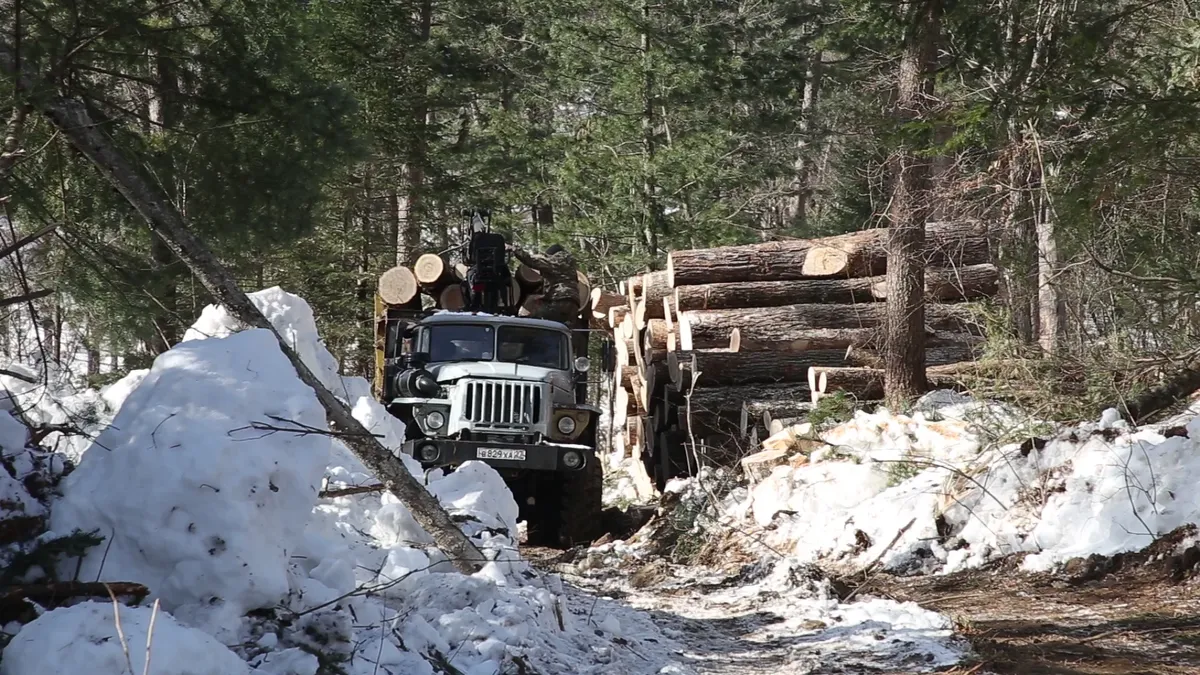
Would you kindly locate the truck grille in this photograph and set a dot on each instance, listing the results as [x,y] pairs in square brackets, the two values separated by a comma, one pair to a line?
[500,405]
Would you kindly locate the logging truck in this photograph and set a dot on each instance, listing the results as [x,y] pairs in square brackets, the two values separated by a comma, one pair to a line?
[506,390]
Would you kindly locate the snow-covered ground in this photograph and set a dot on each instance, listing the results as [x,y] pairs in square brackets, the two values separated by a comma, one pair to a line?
[201,497]
[964,482]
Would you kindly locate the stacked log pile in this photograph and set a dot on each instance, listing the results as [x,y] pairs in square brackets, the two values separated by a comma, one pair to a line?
[729,344]
[434,282]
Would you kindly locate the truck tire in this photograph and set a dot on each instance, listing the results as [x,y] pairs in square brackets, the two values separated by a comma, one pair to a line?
[581,504]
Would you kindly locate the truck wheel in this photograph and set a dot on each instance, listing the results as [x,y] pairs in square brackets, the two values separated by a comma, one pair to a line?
[582,501]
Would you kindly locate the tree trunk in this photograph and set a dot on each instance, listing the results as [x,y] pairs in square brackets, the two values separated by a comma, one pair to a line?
[650,207]
[72,121]
[867,384]
[602,303]
[953,244]
[416,209]
[738,295]
[791,327]
[942,285]
[865,253]
[797,208]
[1051,308]
[725,368]
[745,404]
[166,111]
[720,368]
[1017,252]
[911,201]
[973,282]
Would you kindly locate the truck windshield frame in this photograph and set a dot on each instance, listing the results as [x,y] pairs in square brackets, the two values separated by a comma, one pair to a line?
[523,345]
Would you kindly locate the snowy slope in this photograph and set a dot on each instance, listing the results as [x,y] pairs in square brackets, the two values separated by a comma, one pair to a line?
[223,522]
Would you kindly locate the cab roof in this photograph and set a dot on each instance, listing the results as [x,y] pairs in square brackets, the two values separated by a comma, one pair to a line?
[481,318]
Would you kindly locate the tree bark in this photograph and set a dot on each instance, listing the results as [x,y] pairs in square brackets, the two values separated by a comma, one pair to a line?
[792,327]
[742,294]
[655,287]
[73,122]
[720,368]
[166,111]
[941,284]
[416,209]
[797,207]
[865,253]
[867,384]
[910,205]
[1051,308]
[973,282]
[768,261]
[956,244]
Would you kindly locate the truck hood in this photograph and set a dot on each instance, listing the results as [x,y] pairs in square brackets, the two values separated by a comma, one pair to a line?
[494,370]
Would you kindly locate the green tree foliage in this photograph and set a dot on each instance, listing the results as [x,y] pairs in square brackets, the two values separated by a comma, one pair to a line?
[314,144]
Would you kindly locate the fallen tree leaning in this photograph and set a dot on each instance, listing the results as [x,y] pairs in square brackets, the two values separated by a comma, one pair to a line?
[71,119]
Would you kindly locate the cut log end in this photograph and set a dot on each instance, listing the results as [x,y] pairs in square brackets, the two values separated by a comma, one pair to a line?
[431,269]
[823,261]
[398,286]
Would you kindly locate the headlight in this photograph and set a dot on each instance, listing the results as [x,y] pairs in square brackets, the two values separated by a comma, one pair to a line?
[566,424]
[428,452]
[435,420]
[572,459]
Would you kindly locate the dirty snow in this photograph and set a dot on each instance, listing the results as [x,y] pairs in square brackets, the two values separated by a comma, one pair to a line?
[778,619]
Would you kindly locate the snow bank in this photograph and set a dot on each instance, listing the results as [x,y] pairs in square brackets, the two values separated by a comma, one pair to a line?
[219,518]
[196,503]
[83,638]
[961,484]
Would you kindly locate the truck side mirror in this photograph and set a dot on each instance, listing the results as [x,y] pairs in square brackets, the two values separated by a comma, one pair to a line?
[416,359]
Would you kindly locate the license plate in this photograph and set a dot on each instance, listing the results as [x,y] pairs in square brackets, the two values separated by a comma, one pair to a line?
[501,453]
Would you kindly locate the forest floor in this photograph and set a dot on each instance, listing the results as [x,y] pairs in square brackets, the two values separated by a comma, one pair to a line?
[1133,614]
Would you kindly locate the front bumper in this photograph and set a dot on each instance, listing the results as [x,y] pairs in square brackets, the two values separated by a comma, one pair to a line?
[538,457]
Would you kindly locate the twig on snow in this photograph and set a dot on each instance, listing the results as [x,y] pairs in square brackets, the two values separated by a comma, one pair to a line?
[869,568]
[352,490]
[120,631]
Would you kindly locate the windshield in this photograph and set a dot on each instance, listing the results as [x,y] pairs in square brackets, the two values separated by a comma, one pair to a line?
[532,346]
[516,344]
[461,343]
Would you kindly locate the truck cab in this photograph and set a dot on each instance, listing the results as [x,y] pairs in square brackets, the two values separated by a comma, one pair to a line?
[494,388]
[503,390]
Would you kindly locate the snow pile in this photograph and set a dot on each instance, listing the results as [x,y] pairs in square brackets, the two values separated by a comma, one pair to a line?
[198,504]
[83,639]
[202,497]
[963,483]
